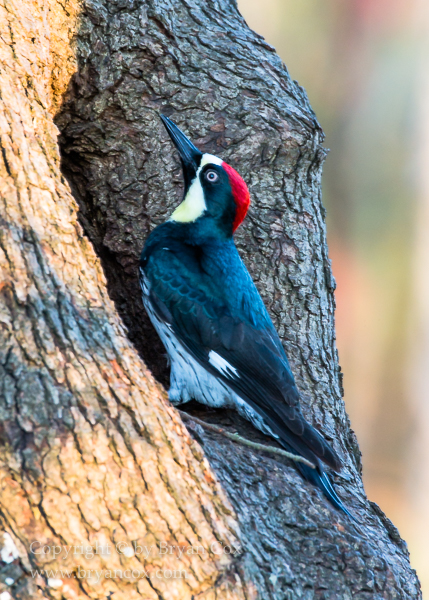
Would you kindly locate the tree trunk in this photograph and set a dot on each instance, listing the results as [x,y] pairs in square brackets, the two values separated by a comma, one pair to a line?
[91,451]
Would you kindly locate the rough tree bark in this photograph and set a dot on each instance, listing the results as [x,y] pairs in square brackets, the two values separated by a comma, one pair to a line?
[91,450]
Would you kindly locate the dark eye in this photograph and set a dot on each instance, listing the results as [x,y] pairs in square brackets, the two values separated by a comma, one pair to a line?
[212,176]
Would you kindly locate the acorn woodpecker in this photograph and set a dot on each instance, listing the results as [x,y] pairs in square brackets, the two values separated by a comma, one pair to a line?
[223,348]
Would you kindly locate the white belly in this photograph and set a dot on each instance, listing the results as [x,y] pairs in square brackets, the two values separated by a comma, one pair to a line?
[190,381]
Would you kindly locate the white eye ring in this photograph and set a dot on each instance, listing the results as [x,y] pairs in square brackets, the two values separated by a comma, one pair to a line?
[212,176]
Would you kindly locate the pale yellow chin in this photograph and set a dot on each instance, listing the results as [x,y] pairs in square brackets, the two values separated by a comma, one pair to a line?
[194,205]
[188,211]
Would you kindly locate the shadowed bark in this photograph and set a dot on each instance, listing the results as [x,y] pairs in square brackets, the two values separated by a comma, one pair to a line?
[91,449]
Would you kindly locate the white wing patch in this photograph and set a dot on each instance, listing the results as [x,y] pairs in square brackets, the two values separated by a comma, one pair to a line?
[222,365]
[189,380]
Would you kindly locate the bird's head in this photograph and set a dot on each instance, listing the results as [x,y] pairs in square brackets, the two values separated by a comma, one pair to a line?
[213,189]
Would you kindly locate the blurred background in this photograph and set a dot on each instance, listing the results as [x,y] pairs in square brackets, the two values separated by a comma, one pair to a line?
[365,66]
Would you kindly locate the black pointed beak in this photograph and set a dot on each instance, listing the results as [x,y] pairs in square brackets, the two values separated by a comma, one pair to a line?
[189,155]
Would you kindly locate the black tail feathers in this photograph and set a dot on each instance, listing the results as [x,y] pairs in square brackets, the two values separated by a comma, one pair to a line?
[320,479]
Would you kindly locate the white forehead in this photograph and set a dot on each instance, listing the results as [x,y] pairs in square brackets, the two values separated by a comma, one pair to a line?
[209,159]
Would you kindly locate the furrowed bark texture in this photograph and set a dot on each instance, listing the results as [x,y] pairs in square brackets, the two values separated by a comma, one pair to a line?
[91,449]
[91,453]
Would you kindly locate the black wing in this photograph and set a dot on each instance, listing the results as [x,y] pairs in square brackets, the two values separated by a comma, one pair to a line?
[246,353]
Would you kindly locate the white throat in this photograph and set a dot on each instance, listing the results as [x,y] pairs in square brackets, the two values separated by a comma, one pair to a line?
[194,204]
